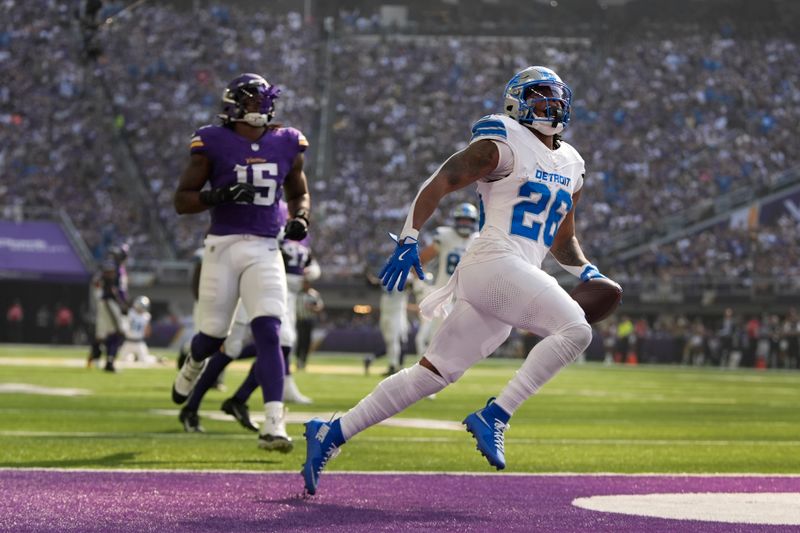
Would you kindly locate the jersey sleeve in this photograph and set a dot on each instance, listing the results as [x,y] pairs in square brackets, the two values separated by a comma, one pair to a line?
[298,140]
[199,142]
[489,127]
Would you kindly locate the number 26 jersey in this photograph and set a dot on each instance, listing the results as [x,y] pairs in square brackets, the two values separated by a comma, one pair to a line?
[521,213]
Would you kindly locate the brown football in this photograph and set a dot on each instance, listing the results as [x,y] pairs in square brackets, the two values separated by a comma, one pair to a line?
[597,297]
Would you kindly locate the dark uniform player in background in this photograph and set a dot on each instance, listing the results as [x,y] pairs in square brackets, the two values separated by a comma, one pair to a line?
[110,286]
[249,164]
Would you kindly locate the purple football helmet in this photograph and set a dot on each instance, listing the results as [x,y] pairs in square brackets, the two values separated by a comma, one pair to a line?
[241,91]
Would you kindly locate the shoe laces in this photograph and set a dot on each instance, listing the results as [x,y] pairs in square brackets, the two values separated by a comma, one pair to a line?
[331,452]
[498,434]
[327,455]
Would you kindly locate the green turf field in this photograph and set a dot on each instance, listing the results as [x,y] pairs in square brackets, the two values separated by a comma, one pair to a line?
[590,418]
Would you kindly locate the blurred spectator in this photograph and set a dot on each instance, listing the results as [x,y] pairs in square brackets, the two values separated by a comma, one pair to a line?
[625,340]
[64,323]
[44,324]
[15,319]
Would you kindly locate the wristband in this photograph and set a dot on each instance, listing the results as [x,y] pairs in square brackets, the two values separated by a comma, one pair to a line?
[575,270]
[302,213]
[411,232]
[209,197]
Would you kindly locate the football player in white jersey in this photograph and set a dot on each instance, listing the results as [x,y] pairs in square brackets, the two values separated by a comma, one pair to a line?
[137,329]
[449,245]
[529,182]
[393,324]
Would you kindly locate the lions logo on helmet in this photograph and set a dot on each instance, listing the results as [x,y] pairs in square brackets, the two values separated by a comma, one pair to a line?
[531,86]
[465,219]
[244,89]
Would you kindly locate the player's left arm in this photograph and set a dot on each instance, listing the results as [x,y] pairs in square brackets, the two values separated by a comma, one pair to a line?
[567,250]
[298,200]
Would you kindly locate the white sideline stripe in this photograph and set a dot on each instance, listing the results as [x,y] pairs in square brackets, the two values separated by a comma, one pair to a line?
[367,438]
[302,417]
[27,388]
[771,508]
[398,473]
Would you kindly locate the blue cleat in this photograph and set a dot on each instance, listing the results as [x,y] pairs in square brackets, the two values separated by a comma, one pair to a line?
[488,426]
[322,444]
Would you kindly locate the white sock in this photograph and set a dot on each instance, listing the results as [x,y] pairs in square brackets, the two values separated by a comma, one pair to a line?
[391,396]
[544,361]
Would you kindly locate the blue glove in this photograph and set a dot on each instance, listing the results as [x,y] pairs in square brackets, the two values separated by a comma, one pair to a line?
[396,269]
[590,272]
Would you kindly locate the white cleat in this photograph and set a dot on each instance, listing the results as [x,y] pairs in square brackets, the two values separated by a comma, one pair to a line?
[273,435]
[186,379]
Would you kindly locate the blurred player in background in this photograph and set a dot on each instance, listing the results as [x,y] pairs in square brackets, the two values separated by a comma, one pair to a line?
[308,307]
[528,181]
[111,292]
[249,164]
[137,330]
[393,325]
[449,245]
[301,269]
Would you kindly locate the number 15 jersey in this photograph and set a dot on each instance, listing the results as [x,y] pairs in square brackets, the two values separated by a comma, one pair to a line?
[521,213]
[264,163]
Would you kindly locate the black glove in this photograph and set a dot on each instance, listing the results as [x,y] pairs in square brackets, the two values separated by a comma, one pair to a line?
[296,229]
[243,193]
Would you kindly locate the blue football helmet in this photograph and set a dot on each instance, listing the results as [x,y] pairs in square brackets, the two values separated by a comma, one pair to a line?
[241,91]
[465,219]
[531,86]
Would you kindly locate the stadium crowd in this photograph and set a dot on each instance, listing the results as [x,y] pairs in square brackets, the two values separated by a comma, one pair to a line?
[665,121]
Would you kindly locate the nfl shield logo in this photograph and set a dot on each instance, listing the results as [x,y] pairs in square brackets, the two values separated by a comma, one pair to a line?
[255,147]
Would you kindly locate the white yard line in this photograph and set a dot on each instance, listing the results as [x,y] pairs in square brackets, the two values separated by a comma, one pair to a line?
[369,438]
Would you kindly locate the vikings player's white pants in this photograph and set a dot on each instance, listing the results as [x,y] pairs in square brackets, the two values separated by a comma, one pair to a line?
[237,266]
[241,335]
[109,318]
[491,298]
[294,283]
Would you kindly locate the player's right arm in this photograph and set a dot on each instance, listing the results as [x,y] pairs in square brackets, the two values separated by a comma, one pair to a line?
[187,196]
[475,162]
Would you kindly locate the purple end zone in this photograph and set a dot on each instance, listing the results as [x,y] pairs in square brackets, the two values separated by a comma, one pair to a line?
[46,500]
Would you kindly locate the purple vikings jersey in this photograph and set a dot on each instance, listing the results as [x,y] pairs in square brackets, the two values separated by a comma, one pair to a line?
[296,256]
[263,163]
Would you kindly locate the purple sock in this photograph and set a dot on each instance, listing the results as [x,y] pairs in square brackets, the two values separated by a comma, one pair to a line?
[216,364]
[204,346]
[287,351]
[248,386]
[248,352]
[113,344]
[269,370]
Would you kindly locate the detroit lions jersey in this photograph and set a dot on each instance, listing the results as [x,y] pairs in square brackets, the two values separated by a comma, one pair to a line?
[137,325]
[264,163]
[452,247]
[521,213]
